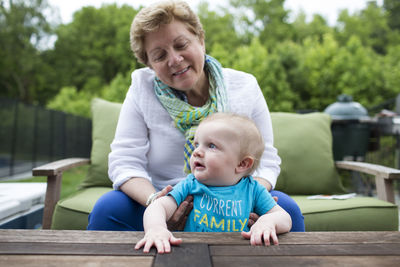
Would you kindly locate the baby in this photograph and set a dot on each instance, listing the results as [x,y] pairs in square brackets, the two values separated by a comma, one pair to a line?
[227,151]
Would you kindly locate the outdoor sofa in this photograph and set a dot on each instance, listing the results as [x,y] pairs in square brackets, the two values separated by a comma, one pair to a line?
[304,143]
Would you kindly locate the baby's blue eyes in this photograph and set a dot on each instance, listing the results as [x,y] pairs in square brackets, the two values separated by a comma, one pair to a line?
[212,146]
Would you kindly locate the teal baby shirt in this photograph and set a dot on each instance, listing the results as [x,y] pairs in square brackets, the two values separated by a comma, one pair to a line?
[222,208]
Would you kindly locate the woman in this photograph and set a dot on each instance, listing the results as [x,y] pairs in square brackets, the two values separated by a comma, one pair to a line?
[164,104]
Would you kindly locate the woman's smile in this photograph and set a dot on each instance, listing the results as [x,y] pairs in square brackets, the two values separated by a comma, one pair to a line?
[181,72]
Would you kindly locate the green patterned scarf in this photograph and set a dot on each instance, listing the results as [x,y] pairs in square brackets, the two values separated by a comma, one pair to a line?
[185,116]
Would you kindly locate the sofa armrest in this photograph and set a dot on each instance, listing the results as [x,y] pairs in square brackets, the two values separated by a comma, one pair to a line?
[384,176]
[54,172]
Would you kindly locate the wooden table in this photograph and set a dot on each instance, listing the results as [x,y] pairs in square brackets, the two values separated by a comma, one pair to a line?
[96,248]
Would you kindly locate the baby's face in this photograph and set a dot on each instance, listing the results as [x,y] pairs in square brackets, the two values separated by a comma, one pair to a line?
[216,154]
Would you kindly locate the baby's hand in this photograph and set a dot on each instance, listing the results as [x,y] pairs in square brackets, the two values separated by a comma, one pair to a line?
[261,231]
[160,238]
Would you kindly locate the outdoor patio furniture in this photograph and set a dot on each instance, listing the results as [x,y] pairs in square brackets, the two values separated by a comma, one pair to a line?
[304,143]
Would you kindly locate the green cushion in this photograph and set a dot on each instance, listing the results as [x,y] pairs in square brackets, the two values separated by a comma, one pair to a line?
[304,143]
[104,122]
[355,214]
[72,213]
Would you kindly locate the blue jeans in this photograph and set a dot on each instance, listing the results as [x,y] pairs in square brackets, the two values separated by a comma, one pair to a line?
[115,211]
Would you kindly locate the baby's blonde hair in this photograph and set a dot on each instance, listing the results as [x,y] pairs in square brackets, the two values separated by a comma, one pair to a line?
[251,142]
[149,19]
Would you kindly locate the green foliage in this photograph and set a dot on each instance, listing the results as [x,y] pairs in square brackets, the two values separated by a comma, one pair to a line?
[71,101]
[370,25]
[92,49]
[266,19]
[76,102]
[22,27]
[299,66]
[219,28]
[317,28]
[269,73]
[117,89]
[393,9]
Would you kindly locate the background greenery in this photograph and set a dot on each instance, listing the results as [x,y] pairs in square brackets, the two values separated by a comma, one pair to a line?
[300,65]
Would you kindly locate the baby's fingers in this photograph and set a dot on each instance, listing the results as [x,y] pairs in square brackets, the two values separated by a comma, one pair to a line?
[167,246]
[140,243]
[148,245]
[266,238]
[246,234]
[270,235]
[274,238]
[159,244]
[175,241]
[256,239]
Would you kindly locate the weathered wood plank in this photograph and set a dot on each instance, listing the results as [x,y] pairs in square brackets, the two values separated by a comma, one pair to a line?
[109,237]
[29,248]
[308,250]
[68,261]
[56,167]
[385,189]
[193,255]
[53,191]
[327,261]
[369,168]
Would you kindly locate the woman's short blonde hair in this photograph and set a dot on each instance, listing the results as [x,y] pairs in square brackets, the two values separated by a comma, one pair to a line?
[150,18]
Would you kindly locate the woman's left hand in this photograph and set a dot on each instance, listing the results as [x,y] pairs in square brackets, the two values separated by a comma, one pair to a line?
[178,219]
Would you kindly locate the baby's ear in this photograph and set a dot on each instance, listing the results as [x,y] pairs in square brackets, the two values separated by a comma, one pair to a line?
[245,164]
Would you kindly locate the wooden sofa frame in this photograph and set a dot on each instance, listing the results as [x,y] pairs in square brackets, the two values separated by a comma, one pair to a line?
[384,178]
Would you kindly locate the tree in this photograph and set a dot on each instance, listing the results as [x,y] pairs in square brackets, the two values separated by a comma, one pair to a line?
[266,19]
[267,68]
[219,28]
[92,49]
[393,9]
[370,25]
[71,101]
[22,27]
[318,27]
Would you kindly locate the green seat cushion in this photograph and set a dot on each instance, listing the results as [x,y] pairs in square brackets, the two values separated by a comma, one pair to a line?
[304,143]
[354,214]
[72,213]
[104,122]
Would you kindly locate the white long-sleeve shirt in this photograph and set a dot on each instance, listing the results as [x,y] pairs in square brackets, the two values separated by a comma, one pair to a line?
[148,145]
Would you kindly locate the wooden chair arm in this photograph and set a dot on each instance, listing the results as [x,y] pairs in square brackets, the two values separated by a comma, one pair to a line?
[54,172]
[384,176]
[59,166]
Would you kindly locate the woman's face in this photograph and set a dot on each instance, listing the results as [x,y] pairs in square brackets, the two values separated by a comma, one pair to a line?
[177,57]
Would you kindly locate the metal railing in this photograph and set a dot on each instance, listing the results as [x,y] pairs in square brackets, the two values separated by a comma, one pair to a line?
[31,135]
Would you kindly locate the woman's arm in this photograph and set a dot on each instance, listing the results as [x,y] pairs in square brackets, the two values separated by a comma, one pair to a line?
[264,182]
[139,189]
[129,149]
[269,168]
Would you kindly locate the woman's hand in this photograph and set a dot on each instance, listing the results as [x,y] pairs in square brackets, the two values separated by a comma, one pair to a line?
[178,219]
